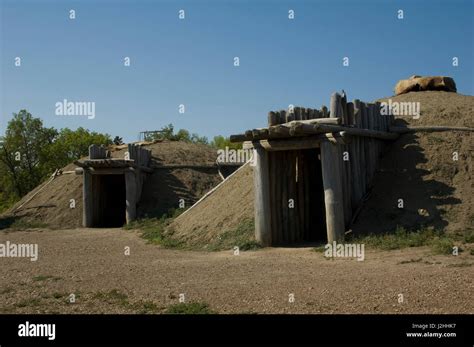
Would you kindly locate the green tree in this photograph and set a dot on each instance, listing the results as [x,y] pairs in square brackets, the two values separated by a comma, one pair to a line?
[71,145]
[25,151]
[221,142]
[30,152]
[118,140]
[167,133]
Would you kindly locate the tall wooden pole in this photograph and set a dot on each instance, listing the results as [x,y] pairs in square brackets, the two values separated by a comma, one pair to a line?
[262,197]
[331,162]
[87,200]
[131,196]
[332,183]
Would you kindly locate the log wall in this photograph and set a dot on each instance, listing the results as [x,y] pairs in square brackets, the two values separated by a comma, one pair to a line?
[316,168]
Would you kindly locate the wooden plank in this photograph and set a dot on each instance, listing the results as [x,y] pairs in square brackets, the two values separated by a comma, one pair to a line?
[131,196]
[290,181]
[366,146]
[272,195]
[344,109]
[324,112]
[297,143]
[284,197]
[282,117]
[280,130]
[262,198]
[354,168]
[87,200]
[300,189]
[300,129]
[290,116]
[338,109]
[278,202]
[272,118]
[307,192]
[333,198]
[357,158]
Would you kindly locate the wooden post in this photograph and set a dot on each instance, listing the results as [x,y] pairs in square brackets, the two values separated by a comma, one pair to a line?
[333,182]
[87,200]
[131,196]
[330,163]
[262,197]
[359,175]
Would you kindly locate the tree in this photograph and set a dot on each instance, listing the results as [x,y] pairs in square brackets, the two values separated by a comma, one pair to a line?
[118,141]
[25,150]
[30,152]
[167,133]
[221,142]
[71,145]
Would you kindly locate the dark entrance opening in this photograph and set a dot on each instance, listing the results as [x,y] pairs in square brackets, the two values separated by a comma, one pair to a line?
[297,205]
[109,200]
[314,178]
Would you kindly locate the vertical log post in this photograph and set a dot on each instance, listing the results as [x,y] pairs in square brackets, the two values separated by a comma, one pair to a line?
[131,196]
[262,197]
[87,200]
[332,181]
[332,191]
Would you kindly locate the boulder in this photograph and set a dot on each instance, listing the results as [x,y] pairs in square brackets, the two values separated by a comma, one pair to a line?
[418,83]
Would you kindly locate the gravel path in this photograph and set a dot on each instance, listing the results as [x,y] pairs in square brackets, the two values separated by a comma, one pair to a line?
[91,263]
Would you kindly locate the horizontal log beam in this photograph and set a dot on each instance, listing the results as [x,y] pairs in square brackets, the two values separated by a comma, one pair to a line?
[297,143]
[306,129]
[405,130]
[280,130]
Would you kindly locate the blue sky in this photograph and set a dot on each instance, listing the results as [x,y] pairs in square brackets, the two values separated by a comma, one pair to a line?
[190,61]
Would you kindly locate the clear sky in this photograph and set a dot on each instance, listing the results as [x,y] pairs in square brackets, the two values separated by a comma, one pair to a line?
[191,61]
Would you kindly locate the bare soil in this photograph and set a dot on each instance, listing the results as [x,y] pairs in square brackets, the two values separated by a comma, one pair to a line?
[91,263]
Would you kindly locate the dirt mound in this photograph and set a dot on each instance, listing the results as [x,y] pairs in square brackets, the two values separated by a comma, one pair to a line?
[223,211]
[418,168]
[437,191]
[49,203]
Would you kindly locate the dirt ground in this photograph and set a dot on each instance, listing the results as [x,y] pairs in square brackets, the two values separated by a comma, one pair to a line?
[91,263]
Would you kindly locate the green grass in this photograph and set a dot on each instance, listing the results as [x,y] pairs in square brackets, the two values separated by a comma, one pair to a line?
[243,236]
[112,297]
[189,308]
[435,139]
[469,236]
[153,229]
[20,224]
[439,242]
[115,297]
[58,295]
